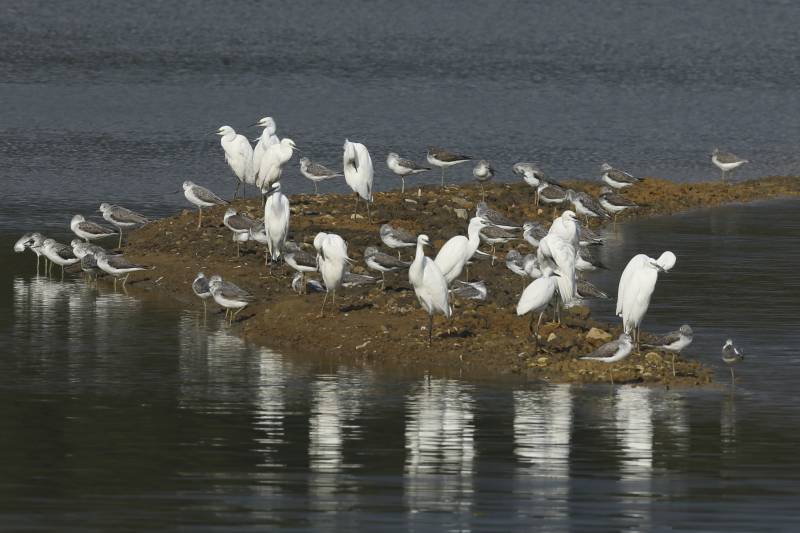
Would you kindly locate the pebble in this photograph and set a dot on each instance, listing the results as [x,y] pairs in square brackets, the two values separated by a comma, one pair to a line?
[596,334]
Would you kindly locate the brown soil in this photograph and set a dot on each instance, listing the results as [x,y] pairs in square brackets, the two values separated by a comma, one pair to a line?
[369,325]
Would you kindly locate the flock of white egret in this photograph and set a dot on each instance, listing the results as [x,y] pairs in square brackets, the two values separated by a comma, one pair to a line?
[561,254]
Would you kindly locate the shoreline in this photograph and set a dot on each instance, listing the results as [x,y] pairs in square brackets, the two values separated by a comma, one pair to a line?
[373,326]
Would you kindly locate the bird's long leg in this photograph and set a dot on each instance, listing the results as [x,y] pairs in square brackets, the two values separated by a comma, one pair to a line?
[383,281]
[442,177]
[236,313]
[237,248]
[62,272]
[333,301]
[37,265]
[125,280]
[236,192]
[483,193]
[538,324]
[430,329]
[316,189]
[199,217]
[673,363]
[611,371]
[733,378]
[355,207]
[120,238]
[115,283]
[403,187]
[493,251]
[369,213]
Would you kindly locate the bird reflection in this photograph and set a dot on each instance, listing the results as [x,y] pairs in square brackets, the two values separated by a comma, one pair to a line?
[270,402]
[634,423]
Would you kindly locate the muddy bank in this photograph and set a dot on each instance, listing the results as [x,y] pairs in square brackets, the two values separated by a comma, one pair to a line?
[370,325]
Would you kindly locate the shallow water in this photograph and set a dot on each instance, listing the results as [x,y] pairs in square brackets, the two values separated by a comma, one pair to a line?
[112,102]
[134,411]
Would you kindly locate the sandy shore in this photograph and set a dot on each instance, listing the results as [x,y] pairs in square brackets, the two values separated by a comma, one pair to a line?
[385,326]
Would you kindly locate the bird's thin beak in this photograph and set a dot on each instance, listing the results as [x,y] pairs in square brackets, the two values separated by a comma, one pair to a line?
[255,140]
[253,125]
[556,274]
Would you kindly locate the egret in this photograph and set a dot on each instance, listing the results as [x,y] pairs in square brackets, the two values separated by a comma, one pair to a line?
[730,356]
[229,295]
[453,256]
[122,218]
[536,297]
[238,154]
[331,261]
[618,178]
[674,341]
[613,351]
[316,172]
[89,231]
[403,167]
[59,253]
[201,197]
[636,286]
[117,266]
[276,221]
[275,158]
[726,161]
[429,284]
[483,172]
[559,255]
[265,140]
[566,228]
[358,172]
[443,159]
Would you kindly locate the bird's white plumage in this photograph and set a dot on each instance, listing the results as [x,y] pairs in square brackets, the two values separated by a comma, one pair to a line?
[331,258]
[429,283]
[455,253]
[238,152]
[276,220]
[265,140]
[566,228]
[636,286]
[537,294]
[559,255]
[358,170]
[272,162]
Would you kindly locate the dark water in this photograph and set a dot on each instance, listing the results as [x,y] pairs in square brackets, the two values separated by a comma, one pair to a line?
[128,411]
[110,101]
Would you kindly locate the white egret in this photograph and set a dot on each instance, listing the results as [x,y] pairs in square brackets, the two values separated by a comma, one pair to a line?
[238,154]
[276,220]
[566,228]
[358,172]
[453,256]
[536,297]
[559,255]
[429,284]
[272,163]
[265,140]
[636,286]
[331,260]
[726,161]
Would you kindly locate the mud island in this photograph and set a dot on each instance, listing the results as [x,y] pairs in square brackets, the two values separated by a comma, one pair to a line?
[376,326]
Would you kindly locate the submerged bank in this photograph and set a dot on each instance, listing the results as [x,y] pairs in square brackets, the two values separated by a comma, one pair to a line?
[384,327]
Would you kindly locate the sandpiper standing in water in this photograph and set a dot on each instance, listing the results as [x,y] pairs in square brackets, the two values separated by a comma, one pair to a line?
[730,356]
[726,161]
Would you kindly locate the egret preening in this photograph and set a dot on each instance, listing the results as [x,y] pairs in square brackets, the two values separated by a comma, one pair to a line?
[566,228]
[272,163]
[276,220]
[201,197]
[453,256]
[726,161]
[730,356]
[429,284]
[559,255]
[403,167]
[443,159]
[536,297]
[238,154]
[358,172]
[265,140]
[331,261]
[636,286]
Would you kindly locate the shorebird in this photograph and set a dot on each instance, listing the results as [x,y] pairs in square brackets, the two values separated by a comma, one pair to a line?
[81,248]
[403,167]
[201,289]
[531,175]
[316,172]
[201,197]
[331,262]
[276,221]
[470,291]
[238,154]
[302,262]
[674,341]
[302,286]
[454,254]
[89,231]
[397,238]
[123,218]
[551,194]
[230,296]
[351,280]
[240,224]
[726,161]
[383,263]
[358,173]
[493,235]
[531,266]
[494,217]
[730,356]
[588,290]
[516,264]
[636,286]
[59,254]
[587,261]
[533,232]
[483,172]
[117,266]
[615,203]
[586,205]
[33,242]
[611,352]
[443,159]
[617,178]
[429,284]
[588,237]
[535,299]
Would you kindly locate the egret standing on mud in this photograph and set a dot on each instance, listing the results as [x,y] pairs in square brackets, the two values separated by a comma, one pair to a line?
[453,256]
[275,158]
[636,286]
[331,261]
[265,140]
[358,172]
[429,284]
[276,221]
[238,154]
[535,299]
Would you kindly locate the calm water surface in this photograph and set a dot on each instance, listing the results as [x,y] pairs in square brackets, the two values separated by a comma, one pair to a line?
[130,411]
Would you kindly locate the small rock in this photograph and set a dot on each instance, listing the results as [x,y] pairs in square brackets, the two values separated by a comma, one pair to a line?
[551,337]
[462,213]
[543,361]
[356,216]
[596,334]
[461,202]
[653,357]
[410,201]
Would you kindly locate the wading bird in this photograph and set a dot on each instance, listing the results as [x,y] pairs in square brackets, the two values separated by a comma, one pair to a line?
[674,341]
[331,262]
[238,154]
[429,284]
[229,296]
[123,218]
[201,289]
[89,231]
[383,263]
[358,172]
[611,352]
[316,172]
[453,256]
[117,266]
[726,161]
[730,356]
[535,299]
[59,254]
[443,159]
[276,220]
[201,197]
[618,178]
[403,167]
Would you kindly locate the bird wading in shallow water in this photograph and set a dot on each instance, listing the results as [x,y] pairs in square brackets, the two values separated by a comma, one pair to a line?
[731,355]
